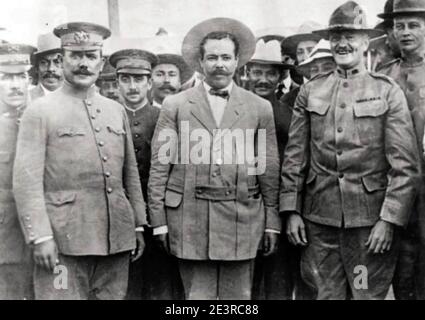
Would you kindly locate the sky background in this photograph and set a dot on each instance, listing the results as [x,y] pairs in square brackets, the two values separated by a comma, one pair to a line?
[25,19]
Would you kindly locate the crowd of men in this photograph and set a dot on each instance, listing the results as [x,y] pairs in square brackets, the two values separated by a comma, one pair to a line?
[246,167]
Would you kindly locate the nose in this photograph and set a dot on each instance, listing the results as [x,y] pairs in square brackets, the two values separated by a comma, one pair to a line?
[83,62]
[15,83]
[50,66]
[219,63]
[343,41]
[132,84]
[166,78]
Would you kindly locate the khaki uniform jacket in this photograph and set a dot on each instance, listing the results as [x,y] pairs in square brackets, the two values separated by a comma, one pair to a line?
[75,174]
[13,248]
[351,157]
[214,209]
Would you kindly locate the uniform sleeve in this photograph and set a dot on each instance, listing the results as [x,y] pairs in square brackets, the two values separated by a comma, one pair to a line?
[269,180]
[402,154]
[297,154]
[165,135]
[28,175]
[131,178]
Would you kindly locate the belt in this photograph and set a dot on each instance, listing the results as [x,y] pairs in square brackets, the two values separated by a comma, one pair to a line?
[218,193]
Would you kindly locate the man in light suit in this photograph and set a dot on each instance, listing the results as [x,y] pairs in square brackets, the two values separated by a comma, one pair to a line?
[48,62]
[213,209]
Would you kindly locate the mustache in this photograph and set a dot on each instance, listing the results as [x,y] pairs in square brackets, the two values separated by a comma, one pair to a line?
[264,85]
[51,75]
[133,92]
[220,72]
[16,93]
[344,49]
[83,72]
[168,87]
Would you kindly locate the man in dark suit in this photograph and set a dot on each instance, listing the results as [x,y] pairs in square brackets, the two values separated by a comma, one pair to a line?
[212,207]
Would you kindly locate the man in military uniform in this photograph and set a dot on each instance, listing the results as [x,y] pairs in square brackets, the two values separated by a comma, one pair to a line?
[409,72]
[48,61]
[108,84]
[168,76]
[350,172]
[213,212]
[272,275]
[75,180]
[15,255]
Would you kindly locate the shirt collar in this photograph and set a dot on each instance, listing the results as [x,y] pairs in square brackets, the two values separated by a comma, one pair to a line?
[208,87]
[287,82]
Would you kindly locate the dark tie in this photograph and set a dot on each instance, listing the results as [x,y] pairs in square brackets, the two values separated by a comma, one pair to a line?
[220,93]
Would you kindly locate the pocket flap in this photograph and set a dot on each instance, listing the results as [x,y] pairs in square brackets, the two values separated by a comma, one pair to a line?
[375,182]
[117,131]
[70,132]
[5,157]
[60,198]
[370,109]
[318,106]
[173,198]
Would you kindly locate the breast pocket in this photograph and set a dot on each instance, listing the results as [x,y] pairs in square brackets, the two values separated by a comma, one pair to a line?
[369,121]
[317,108]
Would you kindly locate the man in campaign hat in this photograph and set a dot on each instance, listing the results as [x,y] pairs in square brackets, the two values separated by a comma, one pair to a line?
[351,169]
[15,255]
[409,72]
[48,62]
[212,207]
[387,24]
[107,82]
[75,180]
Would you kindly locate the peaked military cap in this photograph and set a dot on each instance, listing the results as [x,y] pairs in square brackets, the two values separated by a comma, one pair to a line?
[15,58]
[349,17]
[82,36]
[192,42]
[133,61]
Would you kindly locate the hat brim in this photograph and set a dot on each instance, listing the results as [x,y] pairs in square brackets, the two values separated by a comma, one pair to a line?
[304,69]
[372,33]
[134,71]
[15,68]
[290,44]
[191,43]
[82,48]
[45,52]
[273,63]
[185,72]
[116,56]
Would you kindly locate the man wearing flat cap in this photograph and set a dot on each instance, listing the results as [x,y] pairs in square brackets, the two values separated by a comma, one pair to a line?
[108,83]
[48,63]
[211,206]
[350,172]
[15,256]
[409,72]
[75,180]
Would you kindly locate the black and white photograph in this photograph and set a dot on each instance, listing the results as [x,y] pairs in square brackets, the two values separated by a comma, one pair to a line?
[212,150]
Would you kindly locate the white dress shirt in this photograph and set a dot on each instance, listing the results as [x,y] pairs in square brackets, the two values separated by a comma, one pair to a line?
[217,104]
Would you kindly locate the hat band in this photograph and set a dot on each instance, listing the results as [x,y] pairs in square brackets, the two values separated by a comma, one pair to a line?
[15,59]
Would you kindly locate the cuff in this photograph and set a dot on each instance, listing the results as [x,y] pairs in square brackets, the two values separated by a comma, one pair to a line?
[43,239]
[393,213]
[290,202]
[272,231]
[140,229]
[273,219]
[160,230]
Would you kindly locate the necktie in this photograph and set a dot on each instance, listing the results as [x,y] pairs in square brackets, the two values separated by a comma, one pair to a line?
[220,93]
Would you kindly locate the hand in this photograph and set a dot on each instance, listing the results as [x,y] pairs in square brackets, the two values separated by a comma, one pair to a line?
[295,230]
[46,255]
[381,237]
[140,247]
[162,241]
[270,243]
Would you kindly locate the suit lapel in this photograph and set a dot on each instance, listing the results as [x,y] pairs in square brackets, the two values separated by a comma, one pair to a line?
[233,111]
[201,109]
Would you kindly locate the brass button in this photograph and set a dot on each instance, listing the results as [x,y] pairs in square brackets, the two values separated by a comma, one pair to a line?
[341,176]
[343,106]
[98,110]
[339,152]
[101,143]
[105,158]
[136,150]
[88,102]
[340,130]
[136,123]
[228,193]
[214,174]
[345,85]
[107,174]
[136,135]
[109,190]
[93,117]
[97,129]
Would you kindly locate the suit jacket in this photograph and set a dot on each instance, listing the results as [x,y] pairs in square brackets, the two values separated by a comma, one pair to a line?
[75,174]
[13,248]
[351,158]
[214,209]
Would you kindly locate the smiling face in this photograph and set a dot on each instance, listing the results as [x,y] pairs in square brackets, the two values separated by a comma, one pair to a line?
[263,79]
[134,88]
[50,72]
[348,48]
[14,88]
[219,62]
[410,34]
[82,68]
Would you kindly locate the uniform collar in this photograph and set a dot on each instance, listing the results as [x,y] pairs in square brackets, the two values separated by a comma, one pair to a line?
[134,111]
[351,73]
[83,94]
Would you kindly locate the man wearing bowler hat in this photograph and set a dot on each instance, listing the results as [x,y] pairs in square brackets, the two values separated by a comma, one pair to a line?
[351,170]
[212,207]
[75,180]
[15,256]
[48,63]
[409,72]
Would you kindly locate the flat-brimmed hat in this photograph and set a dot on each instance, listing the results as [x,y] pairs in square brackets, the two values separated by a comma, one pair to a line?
[133,61]
[108,71]
[304,33]
[349,17]
[321,51]
[388,10]
[269,53]
[46,44]
[192,42]
[15,58]
[168,58]
[82,36]
[407,7]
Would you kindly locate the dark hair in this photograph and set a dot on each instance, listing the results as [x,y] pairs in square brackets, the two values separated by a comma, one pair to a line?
[218,35]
